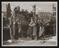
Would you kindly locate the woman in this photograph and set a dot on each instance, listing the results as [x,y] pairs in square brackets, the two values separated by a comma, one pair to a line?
[33,26]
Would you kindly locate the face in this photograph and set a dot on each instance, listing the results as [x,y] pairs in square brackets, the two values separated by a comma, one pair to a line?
[47,23]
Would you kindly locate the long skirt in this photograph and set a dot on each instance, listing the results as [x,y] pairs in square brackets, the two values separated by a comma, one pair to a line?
[29,32]
[34,30]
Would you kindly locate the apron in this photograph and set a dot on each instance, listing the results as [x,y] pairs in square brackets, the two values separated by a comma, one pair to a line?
[41,30]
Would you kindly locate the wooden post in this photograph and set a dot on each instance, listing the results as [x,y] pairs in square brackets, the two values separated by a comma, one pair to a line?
[10,28]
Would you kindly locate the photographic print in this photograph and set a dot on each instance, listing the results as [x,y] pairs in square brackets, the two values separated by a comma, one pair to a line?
[29,23]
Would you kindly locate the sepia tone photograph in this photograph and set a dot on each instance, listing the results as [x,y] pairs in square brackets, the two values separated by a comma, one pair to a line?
[29,23]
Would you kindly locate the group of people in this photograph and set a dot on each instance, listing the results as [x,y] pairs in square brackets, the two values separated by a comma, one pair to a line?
[34,29]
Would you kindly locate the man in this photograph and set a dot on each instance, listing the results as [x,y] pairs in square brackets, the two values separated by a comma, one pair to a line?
[37,33]
[16,31]
[24,27]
